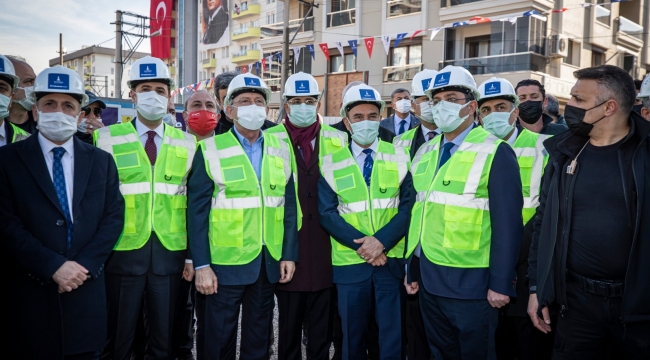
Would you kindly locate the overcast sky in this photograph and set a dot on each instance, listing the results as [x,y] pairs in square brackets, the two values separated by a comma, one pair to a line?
[30,28]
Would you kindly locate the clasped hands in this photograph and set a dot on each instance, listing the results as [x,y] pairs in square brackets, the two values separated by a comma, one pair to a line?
[70,276]
[371,251]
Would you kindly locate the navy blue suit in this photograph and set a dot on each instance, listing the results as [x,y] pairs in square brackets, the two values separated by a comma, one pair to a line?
[355,283]
[41,323]
[251,285]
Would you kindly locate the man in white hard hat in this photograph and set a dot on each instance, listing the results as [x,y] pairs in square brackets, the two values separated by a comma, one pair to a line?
[61,213]
[498,114]
[9,133]
[21,115]
[467,218]
[308,295]
[153,160]
[644,96]
[242,186]
[364,193]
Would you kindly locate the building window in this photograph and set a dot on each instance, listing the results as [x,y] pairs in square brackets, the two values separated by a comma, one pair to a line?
[629,64]
[477,46]
[93,71]
[111,94]
[340,63]
[573,54]
[112,82]
[93,58]
[342,12]
[446,3]
[597,57]
[603,12]
[406,55]
[112,71]
[75,63]
[403,7]
[112,59]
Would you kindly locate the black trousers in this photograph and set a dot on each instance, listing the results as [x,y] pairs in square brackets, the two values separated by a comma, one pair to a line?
[518,339]
[183,337]
[591,326]
[417,346]
[217,318]
[293,307]
[126,297]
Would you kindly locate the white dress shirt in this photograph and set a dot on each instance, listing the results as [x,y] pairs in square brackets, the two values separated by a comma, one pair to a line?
[67,161]
[397,123]
[357,152]
[142,130]
[3,134]
[513,137]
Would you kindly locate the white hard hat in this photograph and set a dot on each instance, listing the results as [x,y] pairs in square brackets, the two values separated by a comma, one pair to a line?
[301,84]
[364,94]
[644,92]
[497,88]
[7,69]
[421,82]
[59,79]
[247,82]
[149,68]
[452,77]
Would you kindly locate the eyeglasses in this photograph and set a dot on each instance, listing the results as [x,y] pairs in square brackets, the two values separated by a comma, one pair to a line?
[310,102]
[248,102]
[96,111]
[435,102]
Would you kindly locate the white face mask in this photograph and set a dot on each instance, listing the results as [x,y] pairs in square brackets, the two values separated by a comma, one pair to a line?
[403,106]
[27,102]
[302,115]
[426,112]
[169,119]
[82,125]
[57,126]
[446,115]
[498,124]
[364,132]
[150,105]
[251,117]
[4,106]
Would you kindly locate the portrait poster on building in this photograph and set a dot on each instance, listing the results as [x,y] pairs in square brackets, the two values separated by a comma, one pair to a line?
[214,20]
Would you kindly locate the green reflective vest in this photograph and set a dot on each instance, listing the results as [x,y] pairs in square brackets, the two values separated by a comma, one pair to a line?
[246,212]
[19,134]
[367,209]
[532,158]
[406,139]
[155,200]
[451,215]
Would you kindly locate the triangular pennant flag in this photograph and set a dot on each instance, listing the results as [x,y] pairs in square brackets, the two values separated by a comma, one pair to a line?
[459,23]
[279,56]
[263,64]
[370,42]
[310,47]
[353,46]
[325,50]
[250,68]
[415,33]
[386,40]
[479,20]
[399,38]
[532,12]
[339,46]
[269,60]
[435,32]
[559,11]
[257,67]
[512,20]
[296,55]
[243,69]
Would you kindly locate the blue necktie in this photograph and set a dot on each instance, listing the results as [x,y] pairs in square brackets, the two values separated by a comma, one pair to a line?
[446,153]
[367,166]
[402,127]
[61,192]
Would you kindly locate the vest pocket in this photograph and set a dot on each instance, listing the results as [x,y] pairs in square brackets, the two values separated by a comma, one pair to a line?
[178,218]
[462,228]
[176,161]
[129,214]
[460,167]
[230,227]
[526,170]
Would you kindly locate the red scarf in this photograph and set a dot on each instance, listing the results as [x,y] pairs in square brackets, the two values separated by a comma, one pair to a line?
[302,137]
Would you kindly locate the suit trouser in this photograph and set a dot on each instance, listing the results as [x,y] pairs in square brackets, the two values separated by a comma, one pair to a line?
[126,297]
[518,338]
[457,328]
[217,318]
[183,337]
[293,307]
[592,324]
[355,304]
[418,348]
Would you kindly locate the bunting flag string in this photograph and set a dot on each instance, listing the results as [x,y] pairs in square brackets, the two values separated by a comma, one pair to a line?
[370,42]
[399,38]
[353,46]
[310,47]
[296,55]
[339,46]
[325,50]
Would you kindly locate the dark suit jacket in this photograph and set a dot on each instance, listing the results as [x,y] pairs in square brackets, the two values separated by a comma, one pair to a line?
[216,27]
[30,125]
[384,133]
[343,232]
[199,200]
[314,268]
[44,324]
[389,122]
[417,142]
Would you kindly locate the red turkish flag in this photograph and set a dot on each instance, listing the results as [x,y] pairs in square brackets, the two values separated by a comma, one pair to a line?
[244,69]
[370,42]
[263,64]
[325,49]
[415,33]
[160,28]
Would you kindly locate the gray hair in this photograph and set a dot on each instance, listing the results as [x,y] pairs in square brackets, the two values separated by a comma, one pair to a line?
[613,82]
[16,58]
[397,91]
[187,101]
[553,107]
[222,81]
[348,86]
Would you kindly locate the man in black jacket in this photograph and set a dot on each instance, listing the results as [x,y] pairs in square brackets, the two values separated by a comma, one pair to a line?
[532,102]
[591,236]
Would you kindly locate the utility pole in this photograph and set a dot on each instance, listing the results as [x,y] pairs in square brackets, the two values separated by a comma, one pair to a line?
[61,49]
[118,54]
[285,47]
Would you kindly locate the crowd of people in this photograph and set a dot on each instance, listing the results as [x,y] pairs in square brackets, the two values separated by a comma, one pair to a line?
[475,222]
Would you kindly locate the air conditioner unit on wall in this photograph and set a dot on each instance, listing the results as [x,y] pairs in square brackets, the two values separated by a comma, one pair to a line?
[559,46]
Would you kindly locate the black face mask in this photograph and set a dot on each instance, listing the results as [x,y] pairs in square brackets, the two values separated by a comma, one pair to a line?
[637,108]
[530,111]
[574,117]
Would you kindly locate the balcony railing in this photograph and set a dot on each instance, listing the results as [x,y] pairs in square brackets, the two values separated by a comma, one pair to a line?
[630,28]
[245,33]
[401,72]
[501,63]
[340,18]
[277,29]
[208,63]
[403,7]
[247,56]
[603,15]
[446,3]
[246,10]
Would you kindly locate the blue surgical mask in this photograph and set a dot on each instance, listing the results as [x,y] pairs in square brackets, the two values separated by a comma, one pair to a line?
[364,132]
[302,115]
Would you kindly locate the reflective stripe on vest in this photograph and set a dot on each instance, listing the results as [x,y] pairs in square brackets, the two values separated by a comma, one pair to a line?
[19,134]
[532,158]
[246,212]
[155,203]
[366,209]
[451,215]
[405,140]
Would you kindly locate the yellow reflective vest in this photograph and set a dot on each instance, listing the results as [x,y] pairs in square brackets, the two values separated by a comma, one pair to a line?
[246,212]
[451,215]
[367,209]
[532,158]
[155,199]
